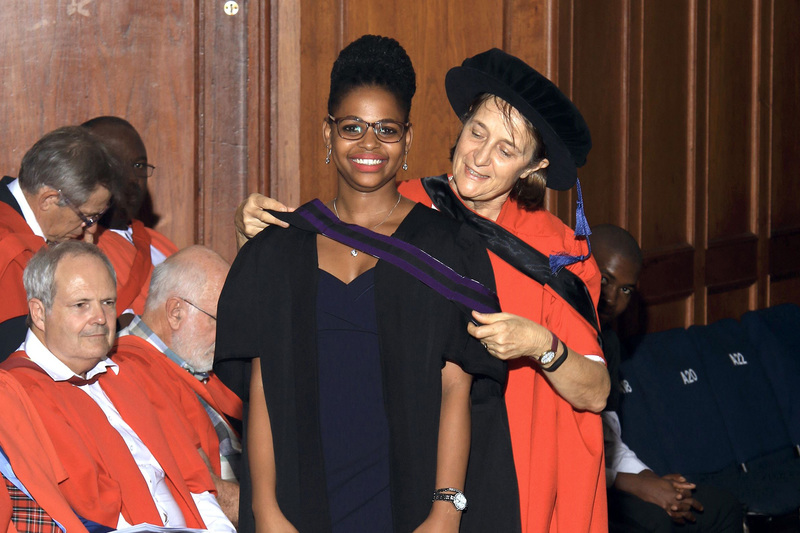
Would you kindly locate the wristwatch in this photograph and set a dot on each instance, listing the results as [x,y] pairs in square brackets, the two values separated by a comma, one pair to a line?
[547,357]
[457,497]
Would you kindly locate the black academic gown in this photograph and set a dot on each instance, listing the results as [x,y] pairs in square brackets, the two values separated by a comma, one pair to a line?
[267,310]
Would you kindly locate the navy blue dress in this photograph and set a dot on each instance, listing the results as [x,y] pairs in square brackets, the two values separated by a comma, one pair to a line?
[353,423]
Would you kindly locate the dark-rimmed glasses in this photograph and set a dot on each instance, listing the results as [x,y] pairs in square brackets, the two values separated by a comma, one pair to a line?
[353,129]
[199,308]
[143,170]
[88,220]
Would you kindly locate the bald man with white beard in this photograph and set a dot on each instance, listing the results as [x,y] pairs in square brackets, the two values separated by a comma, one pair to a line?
[173,341]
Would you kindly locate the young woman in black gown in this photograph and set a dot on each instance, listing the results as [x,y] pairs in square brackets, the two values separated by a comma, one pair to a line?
[366,395]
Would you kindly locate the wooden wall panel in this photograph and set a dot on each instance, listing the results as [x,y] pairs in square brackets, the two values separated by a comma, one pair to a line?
[785,291]
[67,62]
[223,148]
[728,304]
[699,101]
[731,150]
[784,150]
[667,315]
[785,88]
[668,177]
[183,73]
[598,81]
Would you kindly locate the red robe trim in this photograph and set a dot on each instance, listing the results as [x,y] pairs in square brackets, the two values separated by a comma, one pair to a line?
[558,451]
[33,458]
[183,388]
[161,242]
[133,263]
[18,243]
[103,478]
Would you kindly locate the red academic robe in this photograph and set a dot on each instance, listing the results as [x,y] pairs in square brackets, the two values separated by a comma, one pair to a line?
[132,262]
[24,439]
[103,478]
[183,389]
[558,451]
[18,243]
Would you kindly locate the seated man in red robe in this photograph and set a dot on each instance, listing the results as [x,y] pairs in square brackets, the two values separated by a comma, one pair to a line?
[128,460]
[132,248]
[62,190]
[173,342]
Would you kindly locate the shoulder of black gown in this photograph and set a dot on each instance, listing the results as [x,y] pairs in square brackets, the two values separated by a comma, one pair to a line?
[459,247]
[250,301]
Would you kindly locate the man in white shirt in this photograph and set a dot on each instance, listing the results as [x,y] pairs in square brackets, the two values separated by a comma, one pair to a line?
[128,455]
[639,499]
[63,188]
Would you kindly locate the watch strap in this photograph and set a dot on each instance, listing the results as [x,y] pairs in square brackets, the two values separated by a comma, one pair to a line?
[558,362]
[548,355]
[457,497]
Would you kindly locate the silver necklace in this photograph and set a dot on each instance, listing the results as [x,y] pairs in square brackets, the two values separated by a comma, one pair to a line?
[354,252]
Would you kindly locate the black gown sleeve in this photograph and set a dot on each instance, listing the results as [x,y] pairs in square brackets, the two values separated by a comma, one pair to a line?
[238,320]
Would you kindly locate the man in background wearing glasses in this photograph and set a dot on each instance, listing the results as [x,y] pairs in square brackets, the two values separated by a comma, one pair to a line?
[62,190]
[173,343]
[132,248]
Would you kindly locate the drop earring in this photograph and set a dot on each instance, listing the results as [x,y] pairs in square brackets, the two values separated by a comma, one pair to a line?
[328,157]
[405,161]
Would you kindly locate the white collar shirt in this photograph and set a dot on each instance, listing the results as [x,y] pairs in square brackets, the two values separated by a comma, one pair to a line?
[156,256]
[27,212]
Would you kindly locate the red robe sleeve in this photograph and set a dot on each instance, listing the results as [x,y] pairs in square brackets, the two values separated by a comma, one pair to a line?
[161,242]
[132,263]
[17,245]
[32,456]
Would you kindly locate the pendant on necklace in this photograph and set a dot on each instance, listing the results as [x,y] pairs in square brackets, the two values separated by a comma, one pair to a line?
[354,252]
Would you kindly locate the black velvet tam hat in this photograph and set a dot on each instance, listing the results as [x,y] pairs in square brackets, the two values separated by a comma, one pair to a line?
[565,133]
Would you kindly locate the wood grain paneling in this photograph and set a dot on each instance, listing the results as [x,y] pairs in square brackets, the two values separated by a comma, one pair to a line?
[598,81]
[730,303]
[667,155]
[731,262]
[224,107]
[67,62]
[784,255]
[668,274]
[708,111]
[730,142]
[668,315]
[785,291]
[785,107]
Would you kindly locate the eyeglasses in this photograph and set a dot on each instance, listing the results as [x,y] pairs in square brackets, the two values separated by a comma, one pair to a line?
[143,170]
[199,309]
[88,220]
[353,129]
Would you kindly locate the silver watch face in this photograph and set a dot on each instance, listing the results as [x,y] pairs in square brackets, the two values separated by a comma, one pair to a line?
[460,501]
[547,357]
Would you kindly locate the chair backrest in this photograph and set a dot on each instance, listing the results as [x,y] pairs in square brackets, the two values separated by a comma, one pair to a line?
[677,393]
[740,386]
[639,431]
[775,333]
